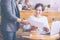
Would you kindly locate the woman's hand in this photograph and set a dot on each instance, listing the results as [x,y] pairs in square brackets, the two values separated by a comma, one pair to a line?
[23,22]
[33,28]
[46,29]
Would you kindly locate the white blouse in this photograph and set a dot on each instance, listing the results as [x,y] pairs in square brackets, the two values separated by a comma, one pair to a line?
[39,21]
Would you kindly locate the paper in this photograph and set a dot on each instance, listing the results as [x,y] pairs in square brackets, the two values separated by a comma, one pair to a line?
[36,24]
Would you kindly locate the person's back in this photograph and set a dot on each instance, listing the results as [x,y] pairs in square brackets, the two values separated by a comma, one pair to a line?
[55,29]
[8,14]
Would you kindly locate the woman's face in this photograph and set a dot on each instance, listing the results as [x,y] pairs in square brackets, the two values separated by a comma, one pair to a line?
[38,10]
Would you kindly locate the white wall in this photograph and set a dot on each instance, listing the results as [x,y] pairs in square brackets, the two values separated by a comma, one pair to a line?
[40,1]
[54,3]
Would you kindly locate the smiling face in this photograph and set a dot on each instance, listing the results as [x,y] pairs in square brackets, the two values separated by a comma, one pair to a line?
[38,11]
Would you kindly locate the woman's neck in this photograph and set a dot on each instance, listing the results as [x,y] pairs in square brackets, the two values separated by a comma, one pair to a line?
[37,16]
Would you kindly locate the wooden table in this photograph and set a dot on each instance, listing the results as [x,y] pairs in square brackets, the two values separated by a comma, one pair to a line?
[36,36]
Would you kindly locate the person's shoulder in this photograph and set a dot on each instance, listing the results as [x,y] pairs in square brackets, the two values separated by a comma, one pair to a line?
[57,22]
[44,17]
[31,16]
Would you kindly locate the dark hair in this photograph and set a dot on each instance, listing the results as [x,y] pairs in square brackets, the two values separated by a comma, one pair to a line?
[39,4]
[48,6]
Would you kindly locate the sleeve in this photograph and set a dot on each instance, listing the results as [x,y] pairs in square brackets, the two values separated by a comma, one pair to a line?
[29,19]
[46,23]
[8,11]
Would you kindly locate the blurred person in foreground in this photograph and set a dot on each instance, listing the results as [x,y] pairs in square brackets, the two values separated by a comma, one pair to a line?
[10,19]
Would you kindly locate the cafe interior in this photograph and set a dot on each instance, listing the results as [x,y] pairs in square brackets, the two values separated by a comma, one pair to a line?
[51,11]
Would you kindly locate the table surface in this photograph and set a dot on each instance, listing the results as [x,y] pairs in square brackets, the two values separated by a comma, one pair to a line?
[36,36]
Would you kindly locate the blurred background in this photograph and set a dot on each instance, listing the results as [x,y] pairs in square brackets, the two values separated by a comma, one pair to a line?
[54,4]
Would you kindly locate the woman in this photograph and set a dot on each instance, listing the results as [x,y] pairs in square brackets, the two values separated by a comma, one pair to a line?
[39,21]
